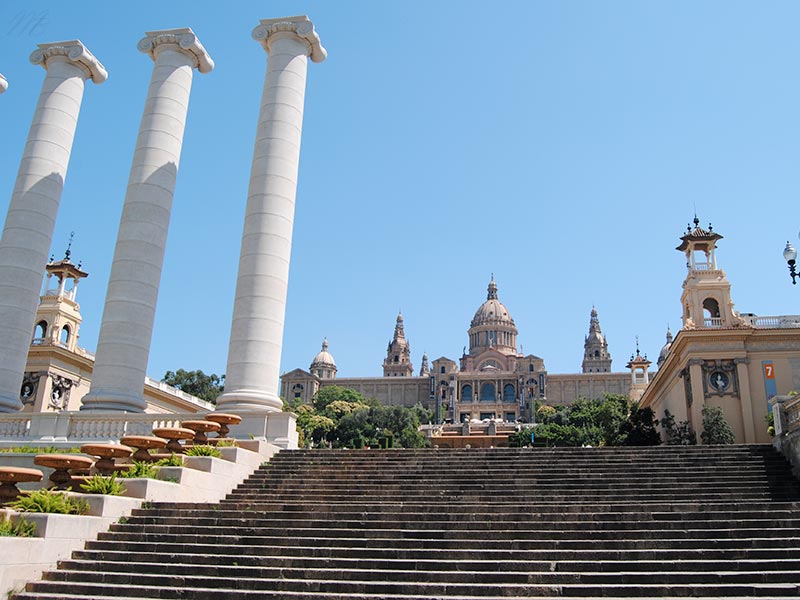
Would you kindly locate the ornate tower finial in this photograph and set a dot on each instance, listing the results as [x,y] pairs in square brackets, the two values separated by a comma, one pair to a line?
[596,358]
[69,245]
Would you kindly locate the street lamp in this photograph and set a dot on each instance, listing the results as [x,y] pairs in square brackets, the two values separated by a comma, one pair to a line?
[790,255]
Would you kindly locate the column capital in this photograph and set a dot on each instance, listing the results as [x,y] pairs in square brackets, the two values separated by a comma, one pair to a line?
[185,40]
[74,52]
[3,84]
[301,26]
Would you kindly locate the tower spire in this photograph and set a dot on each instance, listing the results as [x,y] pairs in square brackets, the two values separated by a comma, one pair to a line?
[596,358]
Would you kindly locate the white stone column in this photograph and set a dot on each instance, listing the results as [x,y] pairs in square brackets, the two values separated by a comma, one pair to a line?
[254,353]
[123,345]
[3,84]
[28,230]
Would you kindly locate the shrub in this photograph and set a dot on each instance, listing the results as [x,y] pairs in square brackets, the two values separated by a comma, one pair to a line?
[143,470]
[50,501]
[39,450]
[226,443]
[17,528]
[716,429]
[204,450]
[104,485]
[680,434]
[173,460]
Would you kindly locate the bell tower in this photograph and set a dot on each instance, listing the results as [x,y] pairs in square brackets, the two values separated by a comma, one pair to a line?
[58,317]
[398,353]
[596,358]
[706,297]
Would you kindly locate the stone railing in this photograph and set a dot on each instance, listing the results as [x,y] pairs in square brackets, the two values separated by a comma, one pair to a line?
[775,322]
[66,428]
[786,416]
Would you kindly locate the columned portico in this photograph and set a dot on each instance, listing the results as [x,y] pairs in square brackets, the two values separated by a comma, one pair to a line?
[254,353]
[32,212]
[123,345]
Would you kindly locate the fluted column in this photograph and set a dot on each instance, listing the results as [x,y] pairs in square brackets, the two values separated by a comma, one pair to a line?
[3,84]
[254,353]
[123,345]
[28,230]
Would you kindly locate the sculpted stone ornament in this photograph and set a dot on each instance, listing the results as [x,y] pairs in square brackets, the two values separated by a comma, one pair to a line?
[301,26]
[75,52]
[184,38]
[3,84]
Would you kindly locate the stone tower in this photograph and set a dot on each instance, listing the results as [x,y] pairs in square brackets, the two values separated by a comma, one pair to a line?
[58,317]
[706,297]
[596,358]
[323,365]
[640,378]
[425,369]
[398,354]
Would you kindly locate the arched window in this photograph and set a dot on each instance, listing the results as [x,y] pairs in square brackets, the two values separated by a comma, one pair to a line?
[40,331]
[441,370]
[530,367]
[466,393]
[487,392]
[711,316]
[509,393]
[597,353]
[64,337]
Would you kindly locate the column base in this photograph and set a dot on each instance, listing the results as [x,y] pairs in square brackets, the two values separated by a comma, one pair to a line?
[249,401]
[110,402]
[10,405]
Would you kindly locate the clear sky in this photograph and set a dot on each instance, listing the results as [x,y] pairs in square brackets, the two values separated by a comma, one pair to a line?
[562,146]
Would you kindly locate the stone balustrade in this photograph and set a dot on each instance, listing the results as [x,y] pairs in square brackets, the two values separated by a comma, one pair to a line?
[75,428]
[786,415]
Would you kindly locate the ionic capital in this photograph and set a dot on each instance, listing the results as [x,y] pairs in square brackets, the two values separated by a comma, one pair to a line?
[183,40]
[3,84]
[301,26]
[76,53]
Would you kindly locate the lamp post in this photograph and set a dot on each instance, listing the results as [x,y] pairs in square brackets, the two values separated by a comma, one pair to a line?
[790,255]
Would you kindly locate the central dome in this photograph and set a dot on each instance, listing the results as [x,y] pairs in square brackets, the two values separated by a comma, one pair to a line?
[492,311]
[492,326]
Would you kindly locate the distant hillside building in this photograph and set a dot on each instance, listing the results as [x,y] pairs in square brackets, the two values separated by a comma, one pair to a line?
[490,380]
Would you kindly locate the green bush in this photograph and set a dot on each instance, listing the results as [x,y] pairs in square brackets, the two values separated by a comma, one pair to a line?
[226,443]
[144,470]
[104,485]
[17,528]
[49,501]
[716,429]
[680,434]
[174,460]
[204,450]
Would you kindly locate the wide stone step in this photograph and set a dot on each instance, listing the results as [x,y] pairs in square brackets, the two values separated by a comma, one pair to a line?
[488,530]
[199,563]
[115,584]
[497,574]
[404,539]
[419,552]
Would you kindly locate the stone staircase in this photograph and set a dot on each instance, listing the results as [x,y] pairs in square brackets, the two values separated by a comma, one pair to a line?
[496,523]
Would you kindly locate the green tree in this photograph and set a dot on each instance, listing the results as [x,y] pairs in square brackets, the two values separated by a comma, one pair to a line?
[196,383]
[716,429]
[332,393]
[640,428]
[680,434]
[367,426]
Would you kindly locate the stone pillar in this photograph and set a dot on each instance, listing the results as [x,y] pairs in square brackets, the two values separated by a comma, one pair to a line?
[3,84]
[254,353]
[28,231]
[123,345]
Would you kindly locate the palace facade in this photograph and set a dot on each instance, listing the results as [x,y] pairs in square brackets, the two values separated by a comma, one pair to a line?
[491,380]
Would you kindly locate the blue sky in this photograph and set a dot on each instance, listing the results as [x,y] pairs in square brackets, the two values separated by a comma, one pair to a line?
[562,146]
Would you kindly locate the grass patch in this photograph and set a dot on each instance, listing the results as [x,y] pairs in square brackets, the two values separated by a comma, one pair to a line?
[226,443]
[174,460]
[39,450]
[203,450]
[17,528]
[109,486]
[49,501]
[143,470]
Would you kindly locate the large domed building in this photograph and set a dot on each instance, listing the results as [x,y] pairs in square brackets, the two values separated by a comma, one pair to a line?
[490,380]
